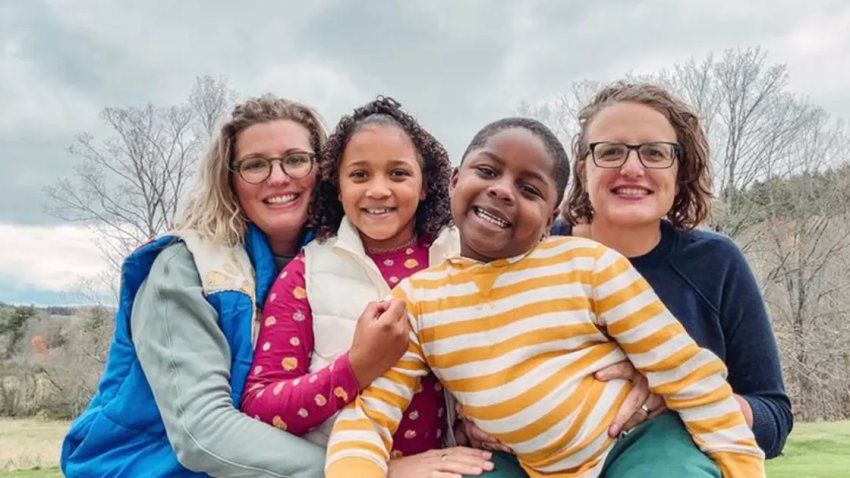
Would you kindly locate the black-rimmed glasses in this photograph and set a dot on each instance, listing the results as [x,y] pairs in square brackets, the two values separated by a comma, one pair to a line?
[653,155]
[257,169]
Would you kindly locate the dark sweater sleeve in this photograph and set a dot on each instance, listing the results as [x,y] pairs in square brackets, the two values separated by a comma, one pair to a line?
[752,356]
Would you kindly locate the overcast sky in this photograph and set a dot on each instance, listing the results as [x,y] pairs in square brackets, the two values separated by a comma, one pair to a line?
[456,65]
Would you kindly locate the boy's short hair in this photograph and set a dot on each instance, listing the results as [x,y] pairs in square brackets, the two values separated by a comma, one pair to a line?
[553,146]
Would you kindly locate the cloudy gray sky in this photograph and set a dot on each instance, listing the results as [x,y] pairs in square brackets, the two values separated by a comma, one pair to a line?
[456,65]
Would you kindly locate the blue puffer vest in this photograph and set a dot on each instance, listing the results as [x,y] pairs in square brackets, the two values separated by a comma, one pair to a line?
[121,432]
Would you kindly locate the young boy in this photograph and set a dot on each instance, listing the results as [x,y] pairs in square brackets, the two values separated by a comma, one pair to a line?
[516,327]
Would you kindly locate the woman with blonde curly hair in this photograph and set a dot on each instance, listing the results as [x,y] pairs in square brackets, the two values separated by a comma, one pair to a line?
[168,401]
[642,186]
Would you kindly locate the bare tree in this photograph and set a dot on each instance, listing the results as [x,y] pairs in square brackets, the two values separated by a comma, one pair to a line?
[210,100]
[72,364]
[781,180]
[804,241]
[127,187]
[560,112]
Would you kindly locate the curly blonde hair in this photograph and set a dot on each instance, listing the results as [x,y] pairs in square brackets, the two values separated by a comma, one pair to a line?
[212,210]
[692,203]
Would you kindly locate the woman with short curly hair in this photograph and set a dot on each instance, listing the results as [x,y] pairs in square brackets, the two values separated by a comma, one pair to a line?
[642,186]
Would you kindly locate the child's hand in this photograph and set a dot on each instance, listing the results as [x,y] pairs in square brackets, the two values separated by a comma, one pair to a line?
[467,433]
[380,339]
[449,463]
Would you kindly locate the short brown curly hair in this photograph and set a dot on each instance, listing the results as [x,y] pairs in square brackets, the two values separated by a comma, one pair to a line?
[692,203]
[432,214]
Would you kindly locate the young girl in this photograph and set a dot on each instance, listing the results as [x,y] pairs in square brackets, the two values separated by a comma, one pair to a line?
[380,213]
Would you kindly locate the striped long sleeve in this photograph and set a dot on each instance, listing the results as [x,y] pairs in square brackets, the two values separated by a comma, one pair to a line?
[362,436]
[691,379]
[516,341]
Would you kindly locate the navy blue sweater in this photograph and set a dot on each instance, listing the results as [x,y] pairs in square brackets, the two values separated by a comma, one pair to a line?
[705,281]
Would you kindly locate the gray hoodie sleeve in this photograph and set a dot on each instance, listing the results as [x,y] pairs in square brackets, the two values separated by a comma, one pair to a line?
[186,360]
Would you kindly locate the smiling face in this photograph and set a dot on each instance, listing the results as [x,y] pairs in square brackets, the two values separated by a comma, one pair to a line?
[278,206]
[630,195]
[380,185]
[504,197]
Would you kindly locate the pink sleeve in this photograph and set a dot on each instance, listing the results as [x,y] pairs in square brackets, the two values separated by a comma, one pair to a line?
[279,389]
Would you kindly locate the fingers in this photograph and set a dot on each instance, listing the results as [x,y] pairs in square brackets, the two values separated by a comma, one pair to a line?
[478,434]
[657,405]
[462,461]
[395,309]
[465,450]
[498,446]
[639,417]
[460,436]
[391,311]
[473,433]
[373,310]
[482,439]
[630,413]
[622,370]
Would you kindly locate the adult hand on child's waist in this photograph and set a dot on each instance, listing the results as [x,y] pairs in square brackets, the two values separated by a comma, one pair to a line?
[639,405]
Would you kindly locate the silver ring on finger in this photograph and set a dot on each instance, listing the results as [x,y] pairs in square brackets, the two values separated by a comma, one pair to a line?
[646,409]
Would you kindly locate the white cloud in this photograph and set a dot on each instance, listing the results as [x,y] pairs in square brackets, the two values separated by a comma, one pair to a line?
[312,83]
[815,49]
[456,65]
[33,101]
[48,258]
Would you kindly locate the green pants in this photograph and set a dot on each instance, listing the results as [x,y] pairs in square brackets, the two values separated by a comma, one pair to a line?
[506,466]
[658,448]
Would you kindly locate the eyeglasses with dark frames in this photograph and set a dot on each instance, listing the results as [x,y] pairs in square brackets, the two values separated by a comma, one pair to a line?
[652,155]
[257,169]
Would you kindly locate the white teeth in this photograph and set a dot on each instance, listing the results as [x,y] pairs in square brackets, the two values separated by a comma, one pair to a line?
[631,191]
[491,218]
[378,211]
[281,199]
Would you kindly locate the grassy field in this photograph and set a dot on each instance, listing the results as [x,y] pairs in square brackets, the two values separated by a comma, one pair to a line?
[814,450]
[30,449]
[29,443]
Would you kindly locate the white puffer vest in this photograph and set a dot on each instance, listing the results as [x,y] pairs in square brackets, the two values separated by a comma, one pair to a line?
[341,279]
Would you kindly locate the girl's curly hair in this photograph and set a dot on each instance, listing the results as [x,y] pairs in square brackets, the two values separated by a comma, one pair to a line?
[433,212]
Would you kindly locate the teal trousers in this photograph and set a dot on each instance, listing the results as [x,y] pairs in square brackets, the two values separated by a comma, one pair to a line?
[657,448]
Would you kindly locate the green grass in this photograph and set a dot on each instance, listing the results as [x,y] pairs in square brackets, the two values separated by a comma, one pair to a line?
[814,450]
[33,473]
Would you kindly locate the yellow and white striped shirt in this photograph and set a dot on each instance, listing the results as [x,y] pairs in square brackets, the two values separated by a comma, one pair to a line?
[516,341]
